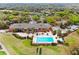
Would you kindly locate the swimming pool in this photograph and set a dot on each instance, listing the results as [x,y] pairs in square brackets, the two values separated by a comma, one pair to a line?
[44,40]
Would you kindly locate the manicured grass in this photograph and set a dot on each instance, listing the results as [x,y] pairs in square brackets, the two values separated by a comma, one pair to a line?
[15,45]
[2,53]
[71,40]
[54,48]
[17,50]
[22,47]
[27,42]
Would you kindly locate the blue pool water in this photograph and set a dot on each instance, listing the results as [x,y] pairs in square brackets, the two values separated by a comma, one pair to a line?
[44,39]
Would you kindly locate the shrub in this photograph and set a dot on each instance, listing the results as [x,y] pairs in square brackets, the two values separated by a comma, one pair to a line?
[17,36]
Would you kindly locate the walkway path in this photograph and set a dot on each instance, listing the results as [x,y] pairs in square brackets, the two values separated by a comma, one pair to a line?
[4,49]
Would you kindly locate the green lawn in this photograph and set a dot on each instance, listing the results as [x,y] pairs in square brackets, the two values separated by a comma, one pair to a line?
[17,50]
[27,42]
[55,49]
[17,46]
[2,53]
[71,40]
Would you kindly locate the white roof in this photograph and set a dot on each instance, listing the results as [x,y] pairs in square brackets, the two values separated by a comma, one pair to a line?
[22,34]
[74,27]
[3,30]
[64,30]
[32,22]
[56,28]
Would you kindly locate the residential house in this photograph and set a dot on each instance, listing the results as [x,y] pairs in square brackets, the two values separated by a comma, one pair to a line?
[31,26]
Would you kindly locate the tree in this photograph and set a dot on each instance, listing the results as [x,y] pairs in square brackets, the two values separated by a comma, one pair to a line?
[6,12]
[3,25]
[74,19]
[61,14]
[75,51]
[10,17]
[15,13]
[2,16]
[25,19]
[50,19]
[35,17]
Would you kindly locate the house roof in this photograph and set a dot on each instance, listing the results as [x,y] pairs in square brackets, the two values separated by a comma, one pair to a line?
[32,22]
[29,25]
[56,28]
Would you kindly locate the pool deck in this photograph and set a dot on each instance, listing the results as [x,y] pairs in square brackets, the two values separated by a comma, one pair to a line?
[44,35]
[35,38]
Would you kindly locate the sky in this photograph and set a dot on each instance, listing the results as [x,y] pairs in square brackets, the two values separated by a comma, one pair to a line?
[39,1]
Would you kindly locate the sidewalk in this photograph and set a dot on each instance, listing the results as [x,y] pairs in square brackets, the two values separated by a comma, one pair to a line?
[4,49]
